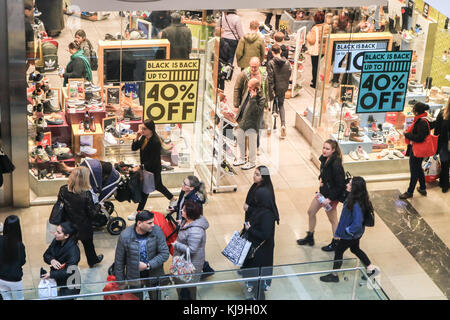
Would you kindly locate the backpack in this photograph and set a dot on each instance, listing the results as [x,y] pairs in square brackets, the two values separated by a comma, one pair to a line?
[49,61]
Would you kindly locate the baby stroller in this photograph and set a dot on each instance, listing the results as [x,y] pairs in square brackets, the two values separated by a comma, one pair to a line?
[104,181]
[168,226]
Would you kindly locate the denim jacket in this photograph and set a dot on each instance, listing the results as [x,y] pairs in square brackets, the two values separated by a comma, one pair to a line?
[350,223]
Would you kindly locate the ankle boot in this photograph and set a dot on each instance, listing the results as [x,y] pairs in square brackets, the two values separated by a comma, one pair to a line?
[331,246]
[309,239]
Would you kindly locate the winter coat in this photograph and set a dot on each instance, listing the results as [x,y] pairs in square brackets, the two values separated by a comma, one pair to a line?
[350,224]
[78,209]
[250,118]
[284,53]
[251,45]
[279,72]
[151,155]
[180,38]
[52,15]
[241,86]
[262,228]
[232,26]
[193,236]
[69,253]
[333,177]
[11,270]
[193,196]
[419,131]
[442,128]
[75,69]
[126,261]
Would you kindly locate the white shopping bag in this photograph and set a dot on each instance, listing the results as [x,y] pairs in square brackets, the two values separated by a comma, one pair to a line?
[237,249]
[432,168]
[47,288]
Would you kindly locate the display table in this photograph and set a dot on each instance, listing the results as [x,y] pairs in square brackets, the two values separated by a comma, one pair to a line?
[97,140]
[347,146]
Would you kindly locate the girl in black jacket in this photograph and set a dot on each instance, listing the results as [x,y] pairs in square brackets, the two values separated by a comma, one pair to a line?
[418,131]
[12,259]
[149,145]
[63,256]
[79,209]
[442,128]
[332,186]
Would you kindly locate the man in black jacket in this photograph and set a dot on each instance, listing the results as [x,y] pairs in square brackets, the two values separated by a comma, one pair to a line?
[159,20]
[279,72]
[180,38]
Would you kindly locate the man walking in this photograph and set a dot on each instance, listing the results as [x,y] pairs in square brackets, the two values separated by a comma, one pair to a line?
[250,45]
[279,71]
[248,119]
[141,252]
[179,36]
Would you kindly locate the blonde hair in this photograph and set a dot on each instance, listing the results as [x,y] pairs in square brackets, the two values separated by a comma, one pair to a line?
[79,180]
[446,112]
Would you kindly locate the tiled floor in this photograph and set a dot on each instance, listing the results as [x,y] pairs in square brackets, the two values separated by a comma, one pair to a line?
[295,180]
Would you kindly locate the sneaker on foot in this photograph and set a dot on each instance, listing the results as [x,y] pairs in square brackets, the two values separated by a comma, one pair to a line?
[238,163]
[132,216]
[329,278]
[283,132]
[247,166]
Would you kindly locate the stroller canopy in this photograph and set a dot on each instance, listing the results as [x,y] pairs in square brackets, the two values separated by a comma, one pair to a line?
[104,178]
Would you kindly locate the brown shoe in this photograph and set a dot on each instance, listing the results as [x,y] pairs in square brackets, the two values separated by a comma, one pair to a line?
[283,132]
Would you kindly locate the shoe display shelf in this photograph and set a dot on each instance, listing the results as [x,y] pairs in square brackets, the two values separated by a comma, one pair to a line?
[46,187]
[297,68]
[97,140]
[134,125]
[347,146]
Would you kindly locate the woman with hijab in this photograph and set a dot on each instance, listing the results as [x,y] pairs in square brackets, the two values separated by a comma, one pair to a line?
[260,229]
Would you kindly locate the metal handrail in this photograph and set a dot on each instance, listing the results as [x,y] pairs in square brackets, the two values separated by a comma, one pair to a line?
[185,285]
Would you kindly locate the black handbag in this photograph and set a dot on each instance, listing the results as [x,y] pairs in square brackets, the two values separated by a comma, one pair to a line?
[6,166]
[57,215]
[253,248]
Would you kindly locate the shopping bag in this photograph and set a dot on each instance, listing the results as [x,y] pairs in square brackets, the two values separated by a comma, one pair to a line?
[148,182]
[182,267]
[6,166]
[427,148]
[432,168]
[237,249]
[47,288]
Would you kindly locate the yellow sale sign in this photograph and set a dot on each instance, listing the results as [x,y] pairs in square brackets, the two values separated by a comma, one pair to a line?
[171,90]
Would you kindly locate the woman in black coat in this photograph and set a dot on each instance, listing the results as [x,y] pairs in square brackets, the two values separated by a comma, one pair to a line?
[12,259]
[149,145]
[332,187]
[417,132]
[63,256]
[79,209]
[260,229]
[442,128]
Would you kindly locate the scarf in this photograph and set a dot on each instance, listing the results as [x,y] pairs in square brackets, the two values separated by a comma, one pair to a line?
[416,118]
[87,66]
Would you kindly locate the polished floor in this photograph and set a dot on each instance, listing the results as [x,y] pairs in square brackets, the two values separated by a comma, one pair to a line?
[295,181]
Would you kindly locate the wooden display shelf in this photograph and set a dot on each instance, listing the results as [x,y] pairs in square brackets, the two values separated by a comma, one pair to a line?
[97,141]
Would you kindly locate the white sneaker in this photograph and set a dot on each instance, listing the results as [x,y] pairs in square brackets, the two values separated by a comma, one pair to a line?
[361,153]
[238,163]
[132,216]
[384,153]
[124,126]
[109,139]
[283,132]
[398,153]
[247,166]
[391,154]
[88,150]
[353,155]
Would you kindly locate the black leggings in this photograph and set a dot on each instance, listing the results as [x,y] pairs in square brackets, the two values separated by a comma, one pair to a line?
[89,250]
[343,245]
[159,187]
[415,167]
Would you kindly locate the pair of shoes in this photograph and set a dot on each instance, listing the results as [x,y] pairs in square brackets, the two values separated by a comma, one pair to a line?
[283,132]
[405,195]
[309,239]
[238,163]
[359,154]
[329,278]
[99,259]
[422,191]
[331,246]
[88,150]
[247,166]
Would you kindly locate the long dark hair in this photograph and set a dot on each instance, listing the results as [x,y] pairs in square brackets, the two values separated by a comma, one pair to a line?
[266,181]
[360,195]
[13,237]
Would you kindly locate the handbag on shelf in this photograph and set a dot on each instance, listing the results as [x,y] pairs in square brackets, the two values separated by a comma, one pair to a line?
[237,249]
[182,267]
[428,147]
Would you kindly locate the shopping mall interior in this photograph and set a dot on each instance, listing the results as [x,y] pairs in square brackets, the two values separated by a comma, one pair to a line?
[410,240]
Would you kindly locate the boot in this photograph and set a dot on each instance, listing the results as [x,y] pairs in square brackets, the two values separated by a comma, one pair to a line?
[128,113]
[331,246]
[309,239]
[207,268]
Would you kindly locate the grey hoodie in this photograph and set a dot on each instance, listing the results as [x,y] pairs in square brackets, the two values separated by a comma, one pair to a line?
[194,237]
